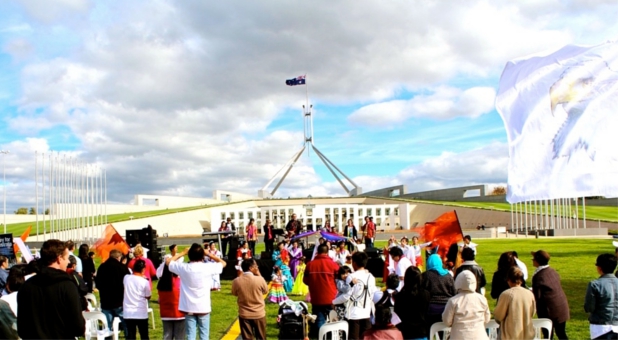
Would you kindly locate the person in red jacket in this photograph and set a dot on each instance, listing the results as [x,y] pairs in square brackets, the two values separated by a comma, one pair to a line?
[150,270]
[320,276]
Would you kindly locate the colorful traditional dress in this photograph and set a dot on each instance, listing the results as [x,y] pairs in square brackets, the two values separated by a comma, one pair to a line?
[277,294]
[299,287]
[295,256]
[216,280]
[417,250]
[282,260]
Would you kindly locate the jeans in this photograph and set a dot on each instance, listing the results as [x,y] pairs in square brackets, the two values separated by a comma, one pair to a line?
[174,329]
[116,312]
[194,321]
[252,247]
[321,313]
[368,242]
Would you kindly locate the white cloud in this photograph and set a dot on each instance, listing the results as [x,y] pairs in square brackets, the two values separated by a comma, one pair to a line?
[443,103]
[178,96]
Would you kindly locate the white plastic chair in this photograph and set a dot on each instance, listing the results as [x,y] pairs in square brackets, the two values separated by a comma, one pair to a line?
[540,324]
[333,328]
[151,312]
[493,328]
[96,326]
[439,327]
[92,302]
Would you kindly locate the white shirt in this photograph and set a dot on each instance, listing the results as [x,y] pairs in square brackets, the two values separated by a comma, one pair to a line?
[11,299]
[136,292]
[400,269]
[377,296]
[359,306]
[162,265]
[332,254]
[470,245]
[195,284]
[340,257]
[523,268]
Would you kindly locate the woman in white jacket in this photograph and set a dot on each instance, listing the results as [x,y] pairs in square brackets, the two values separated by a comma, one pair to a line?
[468,311]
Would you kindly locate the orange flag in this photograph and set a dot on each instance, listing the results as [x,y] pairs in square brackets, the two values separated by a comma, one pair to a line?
[23,237]
[109,241]
[445,230]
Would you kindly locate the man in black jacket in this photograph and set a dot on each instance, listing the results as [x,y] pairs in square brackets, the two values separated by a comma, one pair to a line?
[467,255]
[109,282]
[49,304]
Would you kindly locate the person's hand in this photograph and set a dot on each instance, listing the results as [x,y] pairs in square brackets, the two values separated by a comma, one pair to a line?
[185,251]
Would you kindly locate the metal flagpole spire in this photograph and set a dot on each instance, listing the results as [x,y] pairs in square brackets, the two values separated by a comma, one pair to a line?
[309,141]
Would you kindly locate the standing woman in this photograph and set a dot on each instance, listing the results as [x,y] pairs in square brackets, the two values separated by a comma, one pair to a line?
[411,306]
[251,232]
[351,233]
[295,258]
[441,287]
[169,297]
[150,270]
[88,269]
[417,250]
[499,281]
[327,226]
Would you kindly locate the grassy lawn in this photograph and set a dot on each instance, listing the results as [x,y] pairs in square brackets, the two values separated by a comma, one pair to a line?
[608,214]
[572,258]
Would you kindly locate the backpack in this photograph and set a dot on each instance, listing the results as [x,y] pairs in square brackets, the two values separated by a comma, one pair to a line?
[385,301]
[360,297]
[290,324]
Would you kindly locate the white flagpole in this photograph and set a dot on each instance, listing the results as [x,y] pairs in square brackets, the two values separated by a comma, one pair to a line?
[51,192]
[511,215]
[105,177]
[584,210]
[43,194]
[36,192]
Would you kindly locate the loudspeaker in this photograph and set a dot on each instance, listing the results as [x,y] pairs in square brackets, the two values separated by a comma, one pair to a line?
[376,267]
[308,253]
[373,253]
[147,237]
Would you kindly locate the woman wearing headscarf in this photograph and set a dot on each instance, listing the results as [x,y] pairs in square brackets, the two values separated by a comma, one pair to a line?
[468,311]
[411,306]
[441,287]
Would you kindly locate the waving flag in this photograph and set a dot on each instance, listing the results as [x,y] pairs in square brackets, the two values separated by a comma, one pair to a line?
[559,111]
[300,80]
[109,241]
[444,231]
[332,237]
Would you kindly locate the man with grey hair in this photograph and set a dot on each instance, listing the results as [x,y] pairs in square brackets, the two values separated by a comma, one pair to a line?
[109,281]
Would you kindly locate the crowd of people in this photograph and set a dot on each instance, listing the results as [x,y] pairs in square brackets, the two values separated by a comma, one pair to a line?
[50,292]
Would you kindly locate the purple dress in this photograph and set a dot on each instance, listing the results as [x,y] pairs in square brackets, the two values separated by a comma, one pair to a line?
[295,256]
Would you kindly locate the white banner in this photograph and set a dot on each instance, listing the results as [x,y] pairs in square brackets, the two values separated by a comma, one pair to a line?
[561,116]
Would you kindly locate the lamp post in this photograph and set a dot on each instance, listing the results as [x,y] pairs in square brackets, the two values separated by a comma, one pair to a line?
[4,153]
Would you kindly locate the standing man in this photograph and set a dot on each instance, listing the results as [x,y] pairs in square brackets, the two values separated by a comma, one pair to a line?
[109,282]
[269,237]
[320,276]
[551,302]
[195,284]
[294,227]
[250,288]
[369,232]
[602,300]
[49,303]
[78,266]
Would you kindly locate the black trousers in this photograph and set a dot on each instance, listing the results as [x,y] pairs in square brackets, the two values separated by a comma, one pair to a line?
[224,242]
[252,246]
[137,324]
[559,329]
[270,246]
[358,327]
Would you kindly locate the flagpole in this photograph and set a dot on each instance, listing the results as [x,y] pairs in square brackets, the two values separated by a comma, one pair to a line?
[43,193]
[36,192]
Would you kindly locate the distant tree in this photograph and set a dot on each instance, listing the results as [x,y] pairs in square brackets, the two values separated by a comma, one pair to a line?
[22,211]
[47,211]
[32,211]
[499,190]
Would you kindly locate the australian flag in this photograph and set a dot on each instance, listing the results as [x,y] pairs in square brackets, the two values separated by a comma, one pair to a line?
[300,80]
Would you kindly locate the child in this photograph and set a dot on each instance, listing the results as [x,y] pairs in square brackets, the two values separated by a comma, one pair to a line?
[299,287]
[243,257]
[342,288]
[276,293]
[216,280]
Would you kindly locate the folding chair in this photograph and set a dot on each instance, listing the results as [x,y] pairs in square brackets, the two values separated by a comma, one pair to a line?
[96,326]
[436,328]
[333,329]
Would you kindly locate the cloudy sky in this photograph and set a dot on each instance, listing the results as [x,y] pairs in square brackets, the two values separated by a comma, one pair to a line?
[184,97]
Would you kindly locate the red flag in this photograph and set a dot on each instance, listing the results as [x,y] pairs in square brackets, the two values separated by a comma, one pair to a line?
[109,241]
[445,230]
[23,237]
